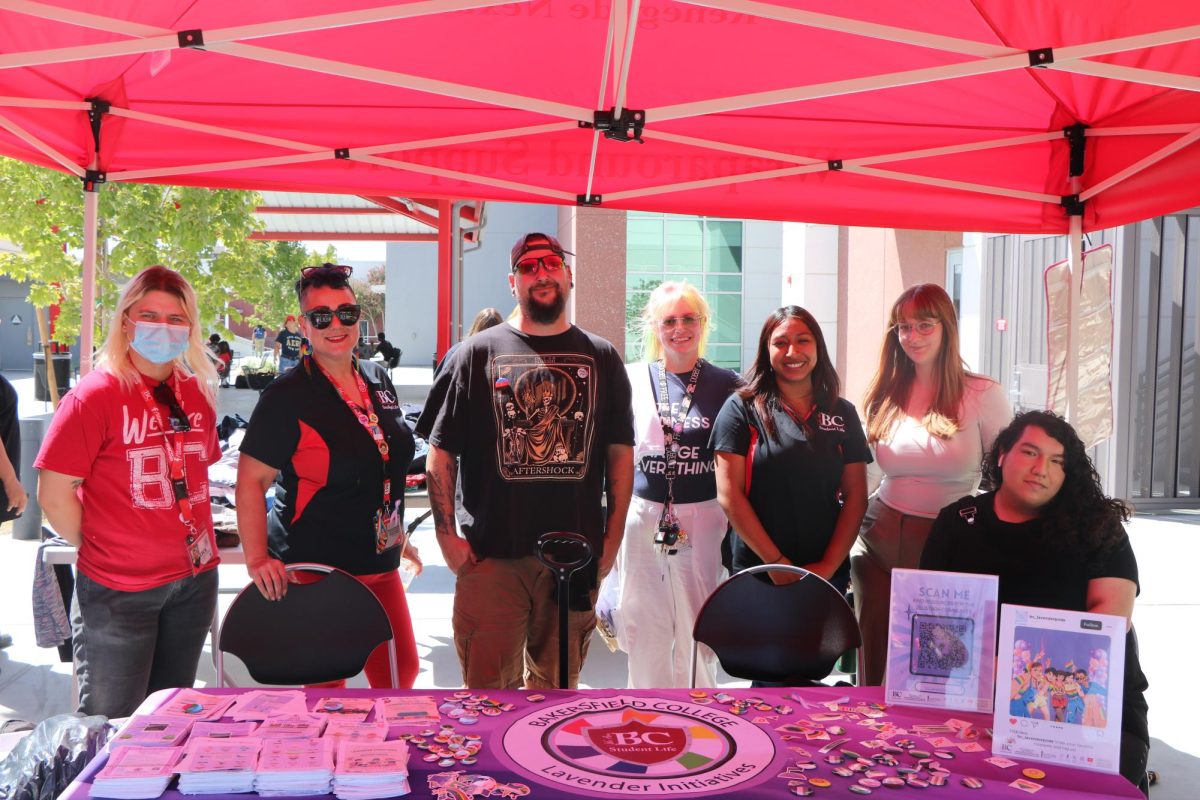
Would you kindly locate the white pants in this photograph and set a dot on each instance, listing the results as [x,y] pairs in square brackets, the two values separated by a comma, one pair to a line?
[661,594]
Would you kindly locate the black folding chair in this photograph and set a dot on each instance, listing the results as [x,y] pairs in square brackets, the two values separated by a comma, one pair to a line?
[564,553]
[320,631]
[792,633]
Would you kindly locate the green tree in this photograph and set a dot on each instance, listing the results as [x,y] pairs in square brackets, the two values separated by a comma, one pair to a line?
[202,233]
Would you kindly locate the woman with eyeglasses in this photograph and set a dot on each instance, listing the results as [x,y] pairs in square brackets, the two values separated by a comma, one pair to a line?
[331,438]
[124,477]
[670,558]
[791,456]
[930,422]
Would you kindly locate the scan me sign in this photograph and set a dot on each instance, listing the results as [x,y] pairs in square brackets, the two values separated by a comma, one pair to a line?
[638,746]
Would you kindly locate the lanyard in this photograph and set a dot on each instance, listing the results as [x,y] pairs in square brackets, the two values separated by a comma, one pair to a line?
[173,444]
[368,419]
[673,426]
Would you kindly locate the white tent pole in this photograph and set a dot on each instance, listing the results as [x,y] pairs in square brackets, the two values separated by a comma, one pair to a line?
[626,56]
[36,143]
[1134,169]
[1075,268]
[1149,77]
[411,166]
[87,324]
[999,191]
[617,14]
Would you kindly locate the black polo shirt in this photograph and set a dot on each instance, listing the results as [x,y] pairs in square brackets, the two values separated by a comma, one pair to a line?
[330,480]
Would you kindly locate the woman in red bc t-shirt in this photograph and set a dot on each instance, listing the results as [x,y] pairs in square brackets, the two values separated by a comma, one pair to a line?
[135,435]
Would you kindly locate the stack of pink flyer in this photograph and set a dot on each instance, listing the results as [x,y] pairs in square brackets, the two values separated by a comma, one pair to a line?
[136,773]
[355,708]
[192,705]
[222,730]
[368,770]
[294,726]
[415,711]
[259,704]
[219,766]
[294,767]
[338,729]
[152,731]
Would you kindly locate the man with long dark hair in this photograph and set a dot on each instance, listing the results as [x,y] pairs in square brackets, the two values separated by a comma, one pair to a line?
[1046,528]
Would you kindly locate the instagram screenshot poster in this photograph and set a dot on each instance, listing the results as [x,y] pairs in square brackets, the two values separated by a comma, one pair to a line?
[1058,695]
[942,640]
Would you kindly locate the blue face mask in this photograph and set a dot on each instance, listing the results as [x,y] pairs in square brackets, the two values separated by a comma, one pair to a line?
[158,342]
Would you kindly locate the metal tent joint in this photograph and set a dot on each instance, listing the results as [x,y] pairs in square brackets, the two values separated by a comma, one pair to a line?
[587,199]
[1041,58]
[92,180]
[624,128]
[835,165]
[342,153]
[193,39]
[1073,205]
[1077,139]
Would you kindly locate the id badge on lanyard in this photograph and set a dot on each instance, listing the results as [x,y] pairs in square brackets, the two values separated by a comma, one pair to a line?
[389,528]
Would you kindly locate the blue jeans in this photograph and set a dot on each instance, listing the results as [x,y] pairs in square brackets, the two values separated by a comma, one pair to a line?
[131,644]
[286,363]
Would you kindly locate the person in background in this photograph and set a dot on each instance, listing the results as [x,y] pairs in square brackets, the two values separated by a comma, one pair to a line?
[483,320]
[258,340]
[930,422]
[332,439]
[670,558]
[791,456]
[538,412]
[289,344]
[15,497]
[1045,527]
[124,477]
[224,362]
[389,351]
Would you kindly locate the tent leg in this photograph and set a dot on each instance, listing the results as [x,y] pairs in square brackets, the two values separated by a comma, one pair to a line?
[445,276]
[1075,263]
[87,324]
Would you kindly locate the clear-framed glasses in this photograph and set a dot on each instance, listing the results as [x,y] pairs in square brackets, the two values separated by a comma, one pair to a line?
[530,266]
[687,321]
[322,317]
[923,328]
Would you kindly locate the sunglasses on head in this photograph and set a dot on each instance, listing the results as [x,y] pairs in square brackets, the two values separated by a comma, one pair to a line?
[530,266]
[322,318]
[177,419]
[344,270]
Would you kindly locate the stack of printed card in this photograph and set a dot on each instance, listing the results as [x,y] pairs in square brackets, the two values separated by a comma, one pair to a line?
[293,726]
[258,704]
[294,767]
[152,731]
[136,773]
[219,766]
[192,705]
[355,731]
[368,770]
[355,708]
[222,730]
[416,711]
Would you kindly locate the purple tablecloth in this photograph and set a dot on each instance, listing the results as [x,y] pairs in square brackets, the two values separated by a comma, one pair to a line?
[625,743]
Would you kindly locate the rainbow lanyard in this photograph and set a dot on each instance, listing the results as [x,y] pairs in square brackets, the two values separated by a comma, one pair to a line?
[368,419]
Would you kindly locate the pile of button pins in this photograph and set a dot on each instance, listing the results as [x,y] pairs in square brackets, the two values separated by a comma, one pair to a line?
[462,785]
[466,707]
[919,769]
[445,746]
[740,706]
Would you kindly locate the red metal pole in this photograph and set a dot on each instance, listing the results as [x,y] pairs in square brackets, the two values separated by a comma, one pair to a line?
[445,275]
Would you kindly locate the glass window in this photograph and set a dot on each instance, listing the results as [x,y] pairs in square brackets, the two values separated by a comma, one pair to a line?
[724,246]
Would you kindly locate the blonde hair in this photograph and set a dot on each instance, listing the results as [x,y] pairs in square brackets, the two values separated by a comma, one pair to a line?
[487,318]
[114,354]
[663,296]
[889,389]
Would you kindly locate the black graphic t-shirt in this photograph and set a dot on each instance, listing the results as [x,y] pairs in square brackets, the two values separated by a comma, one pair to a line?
[695,472]
[794,478]
[330,480]
[289,343]
[530,418]
[1034,572]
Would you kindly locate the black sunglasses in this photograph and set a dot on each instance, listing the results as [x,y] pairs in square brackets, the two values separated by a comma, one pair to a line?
[344,270]
[178,419]
[322,318]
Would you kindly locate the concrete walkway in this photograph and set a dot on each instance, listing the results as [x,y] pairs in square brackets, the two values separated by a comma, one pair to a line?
[34,684]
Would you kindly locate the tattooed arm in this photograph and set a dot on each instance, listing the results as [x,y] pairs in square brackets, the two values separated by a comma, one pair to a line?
[58,495]
[441,471]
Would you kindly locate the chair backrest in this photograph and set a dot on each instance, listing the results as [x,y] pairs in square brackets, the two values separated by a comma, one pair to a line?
[320,631]
[792,633]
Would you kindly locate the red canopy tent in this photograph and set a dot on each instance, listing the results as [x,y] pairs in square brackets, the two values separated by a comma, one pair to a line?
[996,115]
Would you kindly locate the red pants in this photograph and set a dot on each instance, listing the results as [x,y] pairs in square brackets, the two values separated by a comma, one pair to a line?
[389,591]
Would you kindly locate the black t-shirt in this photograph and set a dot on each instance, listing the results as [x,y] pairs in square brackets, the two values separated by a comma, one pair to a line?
[1035,573]
[794,479]
[289,343]
[696,479]
[330,481]
[386,349]
[530,418]
[10,434]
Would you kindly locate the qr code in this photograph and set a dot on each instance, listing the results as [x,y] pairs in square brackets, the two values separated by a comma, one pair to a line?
[941,645]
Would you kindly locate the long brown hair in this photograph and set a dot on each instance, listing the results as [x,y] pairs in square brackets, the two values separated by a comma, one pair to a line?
[888,392]
[761,387]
